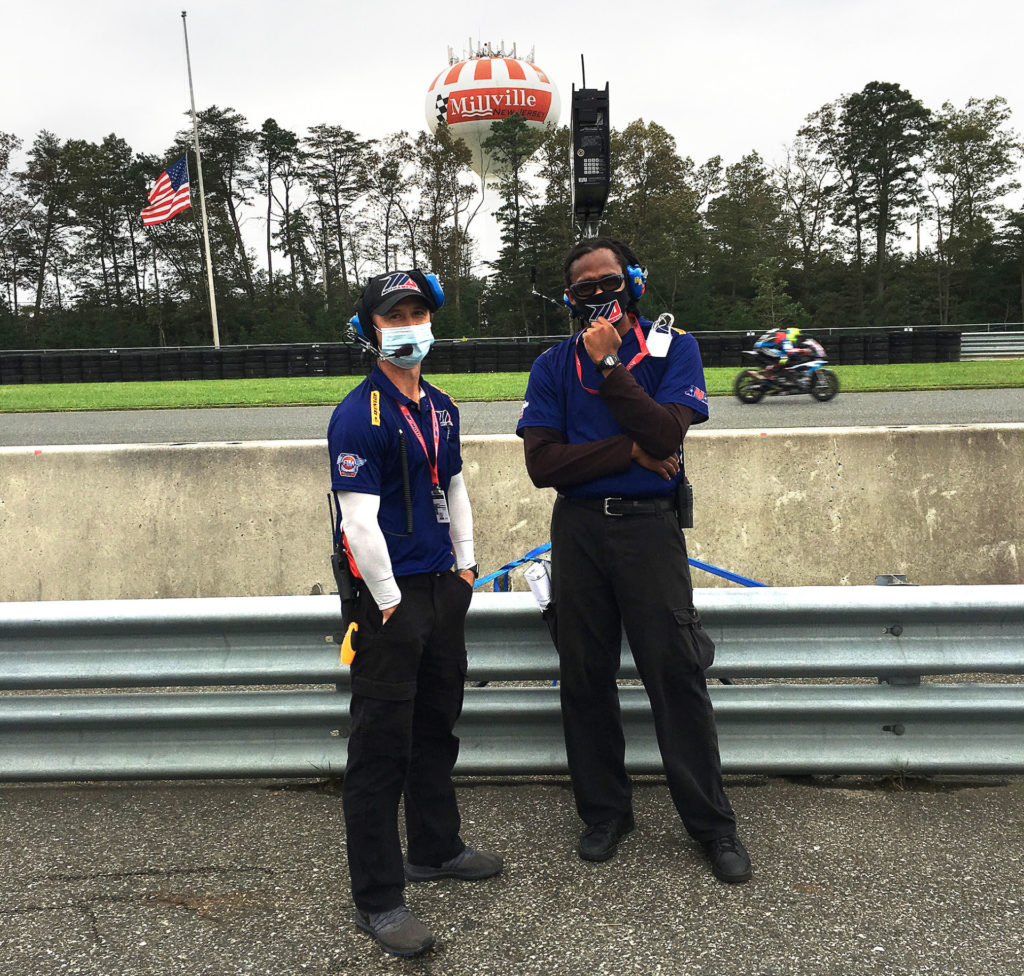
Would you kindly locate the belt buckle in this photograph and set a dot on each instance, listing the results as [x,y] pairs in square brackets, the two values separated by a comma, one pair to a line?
[612,514]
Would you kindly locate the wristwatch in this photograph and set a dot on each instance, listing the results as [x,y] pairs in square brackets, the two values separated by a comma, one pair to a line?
[609,362]
[474,569]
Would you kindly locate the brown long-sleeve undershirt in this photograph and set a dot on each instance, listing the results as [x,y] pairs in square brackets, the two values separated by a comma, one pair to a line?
[658,428]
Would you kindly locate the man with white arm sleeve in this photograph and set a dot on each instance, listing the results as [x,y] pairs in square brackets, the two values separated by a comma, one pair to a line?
[396,470]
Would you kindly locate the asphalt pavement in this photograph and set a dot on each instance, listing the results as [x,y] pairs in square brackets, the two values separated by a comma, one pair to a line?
[852,878]
[304,423]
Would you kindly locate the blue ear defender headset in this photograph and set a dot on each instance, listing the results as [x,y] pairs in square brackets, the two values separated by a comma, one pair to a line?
[433,286]
[426,281]
[636,280]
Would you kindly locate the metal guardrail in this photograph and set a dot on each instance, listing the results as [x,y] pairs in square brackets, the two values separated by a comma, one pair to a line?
[992,345]
[893,634]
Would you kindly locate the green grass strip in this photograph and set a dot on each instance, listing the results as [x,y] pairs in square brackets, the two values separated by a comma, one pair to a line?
[987,375]
[321,391]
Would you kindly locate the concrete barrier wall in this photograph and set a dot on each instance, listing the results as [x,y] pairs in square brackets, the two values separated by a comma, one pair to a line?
[788,507]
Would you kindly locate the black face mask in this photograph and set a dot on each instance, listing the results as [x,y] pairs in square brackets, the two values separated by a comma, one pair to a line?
[610,305]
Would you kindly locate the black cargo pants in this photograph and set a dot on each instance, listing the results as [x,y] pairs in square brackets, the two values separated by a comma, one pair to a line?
[408,677]
[630,571]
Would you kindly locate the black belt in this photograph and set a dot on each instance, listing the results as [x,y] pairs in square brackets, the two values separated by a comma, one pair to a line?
[625,506]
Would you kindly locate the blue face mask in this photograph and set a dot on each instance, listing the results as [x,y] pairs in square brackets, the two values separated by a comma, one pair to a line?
[420,337]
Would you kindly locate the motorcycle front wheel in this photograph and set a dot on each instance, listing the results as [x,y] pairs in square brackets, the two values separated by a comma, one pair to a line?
[825,385]
[749,387]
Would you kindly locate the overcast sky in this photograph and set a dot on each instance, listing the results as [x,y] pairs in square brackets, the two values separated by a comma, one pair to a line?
[724,78]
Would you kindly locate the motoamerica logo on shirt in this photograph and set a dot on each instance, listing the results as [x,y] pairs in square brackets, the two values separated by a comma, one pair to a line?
[349,464]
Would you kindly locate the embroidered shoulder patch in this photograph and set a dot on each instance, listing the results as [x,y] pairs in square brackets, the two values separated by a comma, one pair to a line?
[349,464]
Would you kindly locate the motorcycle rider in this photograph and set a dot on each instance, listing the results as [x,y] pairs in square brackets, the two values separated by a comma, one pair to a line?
[778,345]
[788,353]
[788,367]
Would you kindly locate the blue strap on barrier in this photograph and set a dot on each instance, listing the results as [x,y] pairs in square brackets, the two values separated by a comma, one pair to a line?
[724,573]
[528,558]
[533,554]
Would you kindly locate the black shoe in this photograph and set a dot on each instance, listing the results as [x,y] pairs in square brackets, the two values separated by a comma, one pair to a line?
[729,860]
[398,931]
[598,843]
[470,865]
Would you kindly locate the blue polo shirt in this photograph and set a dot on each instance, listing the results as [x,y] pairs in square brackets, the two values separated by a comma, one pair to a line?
[363,440]
[557,396]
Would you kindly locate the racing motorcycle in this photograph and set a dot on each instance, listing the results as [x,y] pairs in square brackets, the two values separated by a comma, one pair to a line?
[806,376]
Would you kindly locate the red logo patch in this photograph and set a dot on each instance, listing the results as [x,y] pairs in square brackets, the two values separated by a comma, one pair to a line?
[349,465]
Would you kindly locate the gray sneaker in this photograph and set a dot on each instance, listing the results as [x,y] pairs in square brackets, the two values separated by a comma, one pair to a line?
[398,931]
[470,865]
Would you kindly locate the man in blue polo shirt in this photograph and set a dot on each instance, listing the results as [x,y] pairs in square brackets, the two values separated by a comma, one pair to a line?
[396,470]
[603,422]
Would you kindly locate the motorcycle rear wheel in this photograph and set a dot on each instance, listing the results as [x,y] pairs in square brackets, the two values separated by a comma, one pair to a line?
[825,385]
[749,387]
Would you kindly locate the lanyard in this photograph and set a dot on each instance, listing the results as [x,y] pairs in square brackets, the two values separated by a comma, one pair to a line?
[416,431]
[640,355]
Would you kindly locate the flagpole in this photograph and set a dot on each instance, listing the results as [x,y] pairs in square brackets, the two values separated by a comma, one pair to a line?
[202,195]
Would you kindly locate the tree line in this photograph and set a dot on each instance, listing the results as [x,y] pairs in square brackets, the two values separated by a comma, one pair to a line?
[881,212]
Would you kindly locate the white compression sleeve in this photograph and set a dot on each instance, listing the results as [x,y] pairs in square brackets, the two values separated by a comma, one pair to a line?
[369,549]
[461,514]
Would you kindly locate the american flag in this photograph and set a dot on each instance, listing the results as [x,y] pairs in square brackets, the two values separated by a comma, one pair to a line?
[169,195]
